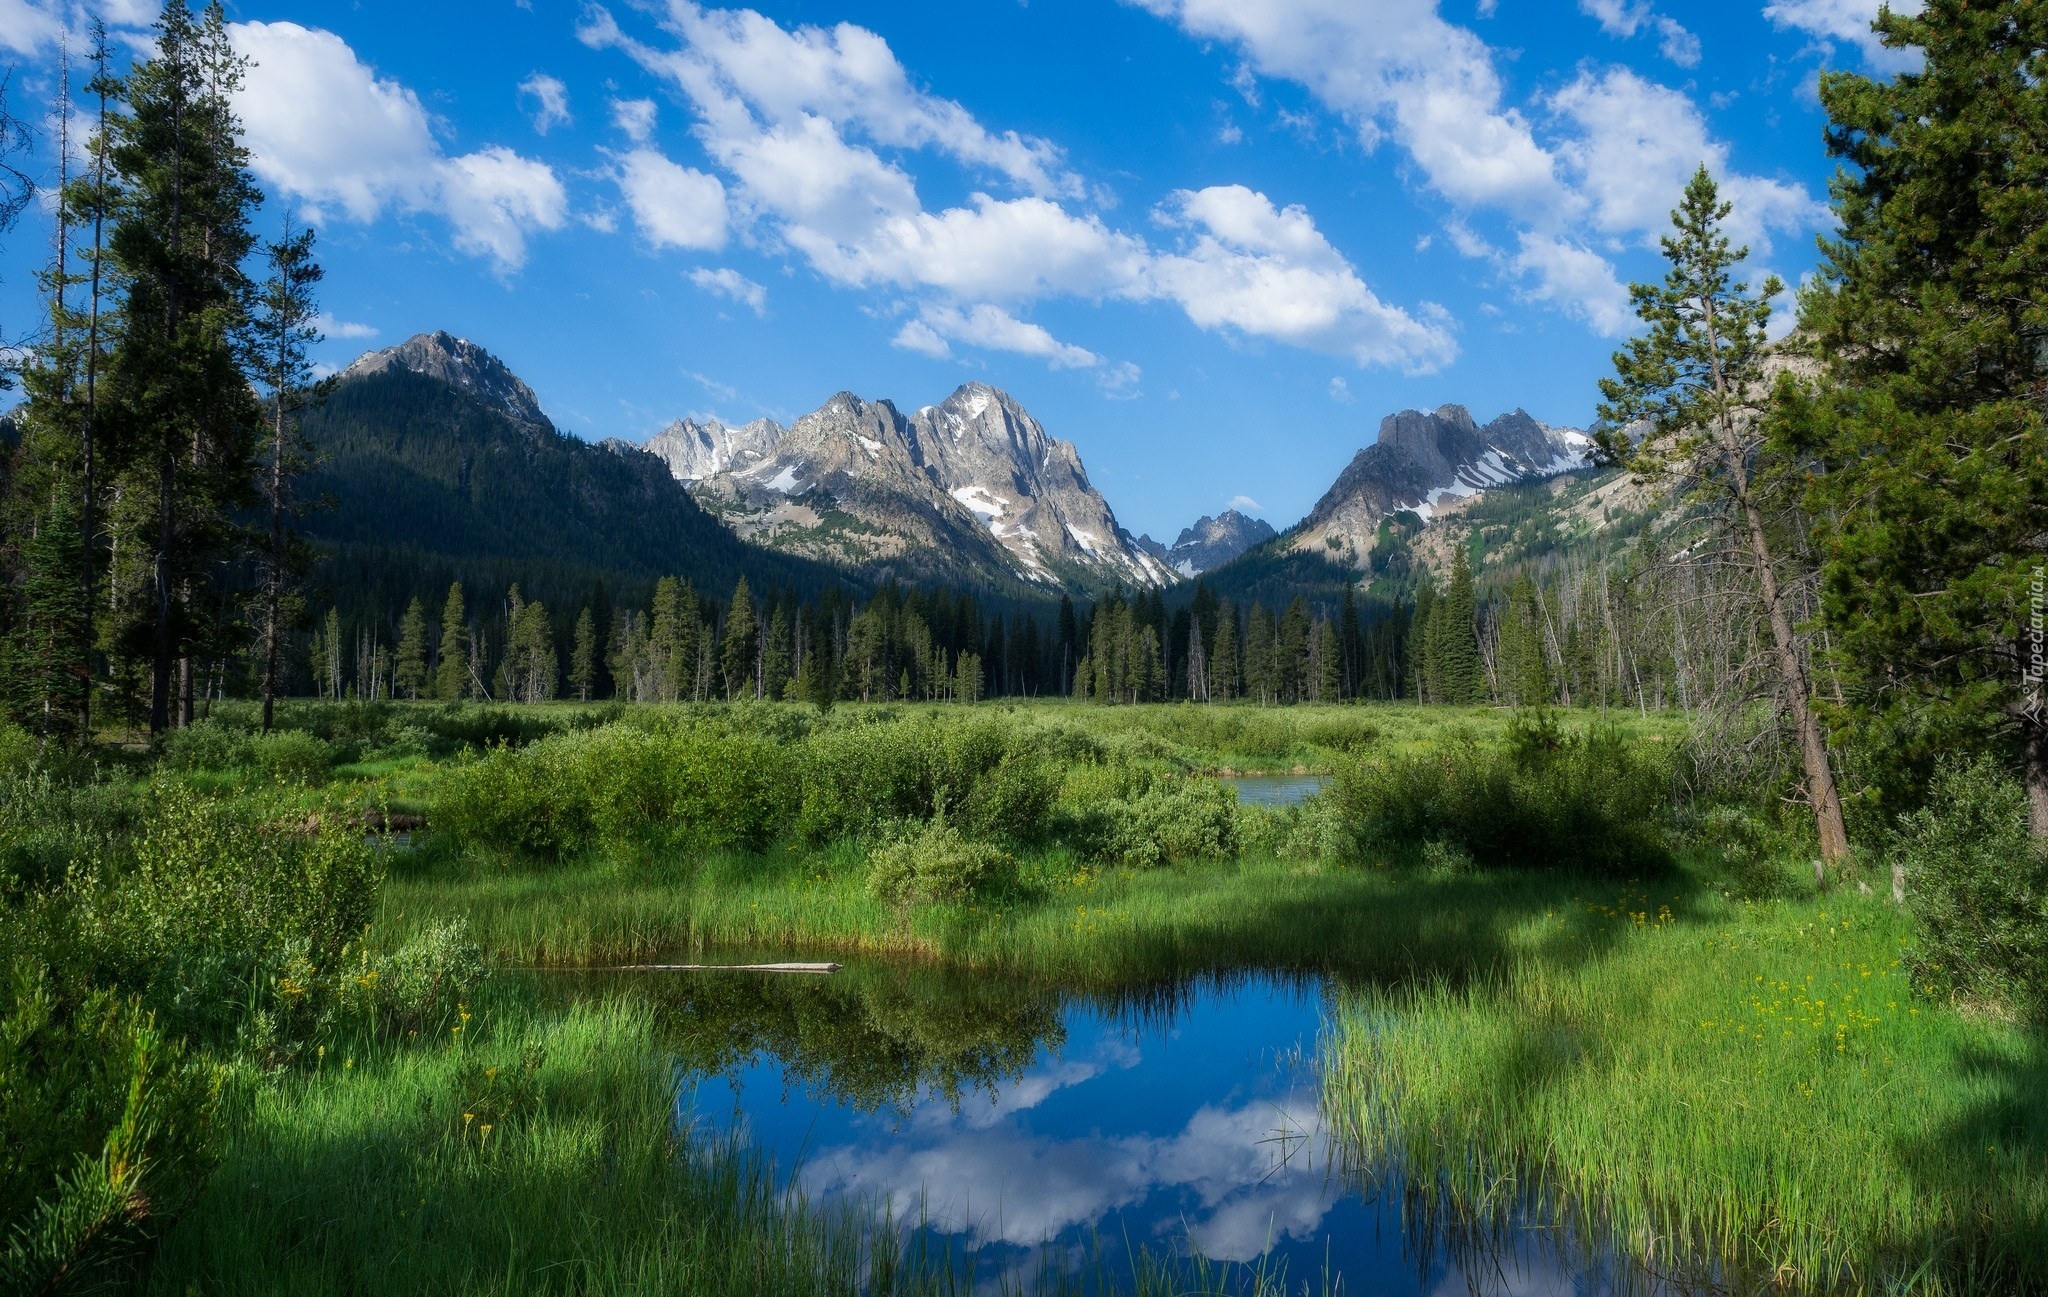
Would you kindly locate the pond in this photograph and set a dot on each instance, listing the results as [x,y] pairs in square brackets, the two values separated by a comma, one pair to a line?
[1019,1125]
[1275,790]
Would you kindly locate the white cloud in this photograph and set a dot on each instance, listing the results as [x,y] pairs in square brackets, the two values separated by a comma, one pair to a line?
[1676,43]
[1245,504]
[922,338]
[1847,20]
[995,329]
[635,117]
[674,206]
[1270,273]
[550,98]
[1340,391]
[794,118]
[25,28]
[1635,146]
[1579,282]
[727,282]
[1396,70]
[323,128]
[333,328]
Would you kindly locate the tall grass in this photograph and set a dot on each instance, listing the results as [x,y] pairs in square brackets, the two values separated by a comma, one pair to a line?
[539,1157]
[1751,1097]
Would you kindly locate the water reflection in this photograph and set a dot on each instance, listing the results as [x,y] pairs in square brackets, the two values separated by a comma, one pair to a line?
[1020,1124]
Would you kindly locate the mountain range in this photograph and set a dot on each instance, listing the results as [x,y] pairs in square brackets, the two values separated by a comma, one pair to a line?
[968,490]
[444,457]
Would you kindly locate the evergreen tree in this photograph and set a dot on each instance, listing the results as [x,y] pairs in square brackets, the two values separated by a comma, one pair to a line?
[1420,666]
[1328,679]
[1697,378]
[451,677]
[42,668]
[1930,502]
[1459,674]
[1223,655]
[775,655]
[583,656]
[736,651]
[409,667]
[188,416]
[1291,650]
[1261,657]
[285,333]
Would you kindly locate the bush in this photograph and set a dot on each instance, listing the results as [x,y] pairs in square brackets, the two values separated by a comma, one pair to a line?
[1172,820]
[1977,885]
[292,755]
[210,744]
[1556,800]
[689,786]
[995,779]
[938,865]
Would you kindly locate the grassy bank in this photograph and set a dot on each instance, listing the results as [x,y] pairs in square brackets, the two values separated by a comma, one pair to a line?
[539,1156]
[1748,1093]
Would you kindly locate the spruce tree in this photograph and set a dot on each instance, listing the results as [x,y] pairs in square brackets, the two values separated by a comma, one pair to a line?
[188,416]
[409,666]
[583,655]
[1460,676]
[1223,654]
[285,333]
[1329,678]
[1929,442]
[736,651]
[451,677]
[1698,379]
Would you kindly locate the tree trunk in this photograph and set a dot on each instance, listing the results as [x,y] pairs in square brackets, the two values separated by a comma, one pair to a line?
[1813,751]
[2036,751]
[163,656]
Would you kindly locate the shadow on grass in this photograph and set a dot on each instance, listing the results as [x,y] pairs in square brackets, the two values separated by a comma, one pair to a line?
[1991,1162]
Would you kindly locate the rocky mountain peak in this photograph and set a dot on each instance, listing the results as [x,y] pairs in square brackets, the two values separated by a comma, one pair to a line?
[462,365]
[971,485]
[1426,461]
[694,450]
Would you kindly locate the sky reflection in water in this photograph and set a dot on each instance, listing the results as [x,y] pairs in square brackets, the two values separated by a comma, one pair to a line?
[1195,1128]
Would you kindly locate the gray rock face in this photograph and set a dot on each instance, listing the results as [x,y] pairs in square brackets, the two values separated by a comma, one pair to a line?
[694,451]
[1211,542]
[461,364]
[970,488]
[1426,462]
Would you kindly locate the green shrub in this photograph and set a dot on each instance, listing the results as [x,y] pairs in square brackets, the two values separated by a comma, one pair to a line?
[1750,852]
[688,786]
[208,745]
[1444,861]
[211,907]
[292,755]
[938,865]
[1172,820]
[1977,886]
[1584,800]
[995,778]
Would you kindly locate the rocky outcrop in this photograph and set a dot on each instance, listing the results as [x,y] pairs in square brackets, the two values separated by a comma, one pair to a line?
[1210,543]
[971,488]
[1424,462]
[462,365]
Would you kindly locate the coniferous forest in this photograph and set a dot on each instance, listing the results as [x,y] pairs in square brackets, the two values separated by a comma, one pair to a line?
[437,854]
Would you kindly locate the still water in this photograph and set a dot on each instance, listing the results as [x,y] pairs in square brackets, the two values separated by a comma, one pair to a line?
[1276,790]
[1021,1126]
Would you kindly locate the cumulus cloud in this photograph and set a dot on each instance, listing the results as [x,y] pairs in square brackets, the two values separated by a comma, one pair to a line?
[994,329]
[1624,18]
[1397,71]
[674,206]
[550,101]
[796,119]
[322,127]
[1340,391]
[1635,144]
[922,338]
[635,117]
[727,282]
[1254,269]
[1847,21]
[25,28]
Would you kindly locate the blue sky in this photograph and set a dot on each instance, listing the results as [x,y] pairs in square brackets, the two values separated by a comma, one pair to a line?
[1211,242]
